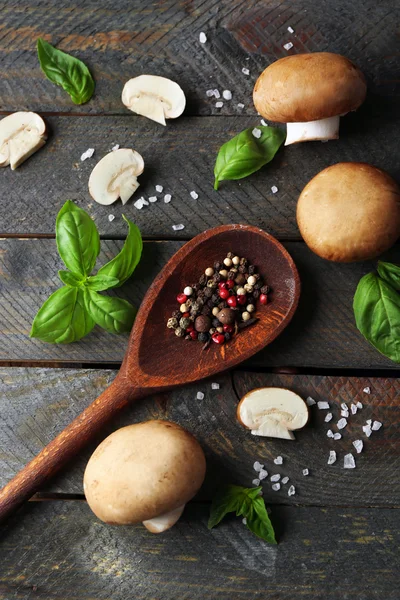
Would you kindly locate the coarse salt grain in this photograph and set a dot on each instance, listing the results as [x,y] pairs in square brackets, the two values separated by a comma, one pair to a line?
[359,405]
[376,425]
[111,218]
[262,474]
[216,94]
[332,457]
[240,105]
[256,482]
[329,433]
[291,491]
[215,386]
[245,71]
[153,199]
[344,413]
[367,430]
[285,480]
[358,445]
[274,189]
[288,46]
[114,148]
[227,94]
[257,466]
[278,460]
[367,390]
[140,203]
[178,227]
[343,406]
[210,93]
[353,408]
[349,462]
[194,195]
[88,154]
[256,133]
[167,198]
[329,417]
[310,401]
[337,436]
[200,396]
[306,472]
[264,123]
[276,487]
[159,188]
[219,104]
[369,421]
[202,37]
[323,405]
[290,29]
[275,477]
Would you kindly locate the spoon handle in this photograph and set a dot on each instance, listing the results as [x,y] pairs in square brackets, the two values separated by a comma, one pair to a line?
[66,445]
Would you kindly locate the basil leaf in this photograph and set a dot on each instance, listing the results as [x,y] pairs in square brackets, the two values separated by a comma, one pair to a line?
[390,273]
[377,312]
[65,70]
[99,283]
[123,265]
[112,314]
[70,279]
[62,318]
[244,154]
[245,502]
[78,240]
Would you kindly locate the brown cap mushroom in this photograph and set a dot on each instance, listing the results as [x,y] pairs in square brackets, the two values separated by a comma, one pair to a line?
[349,212]
[309,92]
[272,412]
[144,472]
[21,134]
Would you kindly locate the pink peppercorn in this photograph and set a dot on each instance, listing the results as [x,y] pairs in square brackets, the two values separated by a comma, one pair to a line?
[263,299]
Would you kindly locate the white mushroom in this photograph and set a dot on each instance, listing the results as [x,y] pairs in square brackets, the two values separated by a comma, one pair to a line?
[272,412]
[165,521]
[21,134]
[115,176]
[157,98]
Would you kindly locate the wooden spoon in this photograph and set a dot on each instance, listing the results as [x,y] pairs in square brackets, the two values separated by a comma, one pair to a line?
[156,359]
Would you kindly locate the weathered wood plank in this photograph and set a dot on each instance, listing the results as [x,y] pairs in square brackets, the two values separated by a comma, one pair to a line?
[121,40]
[60,551]
[36,404]
[322,333]
[181,158]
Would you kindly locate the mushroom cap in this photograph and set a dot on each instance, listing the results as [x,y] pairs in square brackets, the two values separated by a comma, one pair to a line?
[155,97]
[143,471]
[272,412]
[349,212]
[115,176]
[309,87]
[21,134]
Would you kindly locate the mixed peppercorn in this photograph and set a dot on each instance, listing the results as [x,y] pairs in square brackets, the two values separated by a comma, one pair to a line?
[221,303]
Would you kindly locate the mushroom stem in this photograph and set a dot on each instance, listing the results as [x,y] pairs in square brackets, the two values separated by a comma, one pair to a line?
[165,521]
[322,130]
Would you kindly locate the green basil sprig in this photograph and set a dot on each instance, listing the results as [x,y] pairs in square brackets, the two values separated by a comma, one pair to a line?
[67,71]
[377,309]
[245,502]
[244,154]
[72,311]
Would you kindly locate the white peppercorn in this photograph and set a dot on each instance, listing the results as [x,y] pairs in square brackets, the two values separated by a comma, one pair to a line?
[183,308]
[248,288]
[220,329]
[224,273]
[227,262]
[251,281]
[250,308]
[240,292]
[179,332]
[188,291]
[172,323]
[215,311]
[236,260]
[209,272]
[212,330]
[246,316]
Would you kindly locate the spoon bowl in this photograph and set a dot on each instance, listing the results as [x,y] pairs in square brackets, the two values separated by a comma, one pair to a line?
[157,360]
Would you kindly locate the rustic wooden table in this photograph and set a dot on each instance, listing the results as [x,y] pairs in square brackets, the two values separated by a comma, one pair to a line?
[339,535]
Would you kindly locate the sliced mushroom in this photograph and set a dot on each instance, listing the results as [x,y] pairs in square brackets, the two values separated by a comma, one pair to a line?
[157,98]
[272,412]
[165,521]
[115,176]
[21,134]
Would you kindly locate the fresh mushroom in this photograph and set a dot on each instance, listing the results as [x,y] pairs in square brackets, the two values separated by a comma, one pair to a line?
[309,92]
[21,134]
[272,412]
[115,176]
[349,212]
[157,98]
[145,472]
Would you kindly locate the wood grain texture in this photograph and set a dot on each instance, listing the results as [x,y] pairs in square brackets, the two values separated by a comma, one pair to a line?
[181,158]
[121,40]
[321,334]
[61,551]
[37,404]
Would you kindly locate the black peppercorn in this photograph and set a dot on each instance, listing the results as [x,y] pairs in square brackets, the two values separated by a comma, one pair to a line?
[222,305]
[265,289]
[203,337]
[200,301]
[217,278]
[257,276]
[243,262]
[208,292]
[210,303]
[242,269]
[227,336]
[203,280]
[200,294]
[230,255]
[231,275]
[240,279]
[217,266]
[177,314]
[206,310]
[216,323]
[258,285]
[256,294]
[215,298]
[252,269]
[196,287]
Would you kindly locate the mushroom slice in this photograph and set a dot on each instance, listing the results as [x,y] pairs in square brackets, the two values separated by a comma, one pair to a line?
[165,521]
[322,130]
[157,98]
[115,176]
[21,134]
[272,412]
